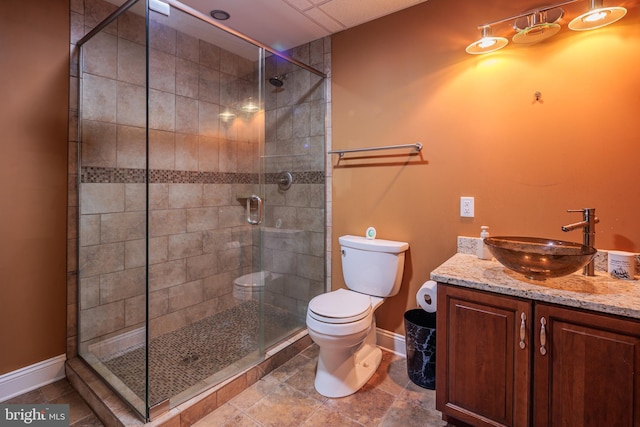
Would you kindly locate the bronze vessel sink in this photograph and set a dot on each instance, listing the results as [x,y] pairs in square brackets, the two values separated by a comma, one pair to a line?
[540,258]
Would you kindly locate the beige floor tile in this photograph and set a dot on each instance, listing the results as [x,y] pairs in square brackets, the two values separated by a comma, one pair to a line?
[284,407]
[78,409]
[55,390]
[31,397]
[391,375]
[417,395]
[312,351]
[89,421]
[287,397]
[325,417]
[61,392]
[367,406]
[290,368]
[254,393]
[303,380]
[226,416]
[405,414]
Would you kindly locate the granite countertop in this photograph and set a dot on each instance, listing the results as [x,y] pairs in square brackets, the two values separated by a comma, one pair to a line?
[600,293]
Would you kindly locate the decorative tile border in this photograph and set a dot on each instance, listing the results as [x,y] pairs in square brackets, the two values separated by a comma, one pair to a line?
[138,176]
[111,175]
[306,177]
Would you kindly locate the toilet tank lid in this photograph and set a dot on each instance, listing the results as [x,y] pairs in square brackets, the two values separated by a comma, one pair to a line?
[373,245]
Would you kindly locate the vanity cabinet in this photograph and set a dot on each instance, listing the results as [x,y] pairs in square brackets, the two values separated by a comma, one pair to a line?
[586,369]
[483,375]
[507,361]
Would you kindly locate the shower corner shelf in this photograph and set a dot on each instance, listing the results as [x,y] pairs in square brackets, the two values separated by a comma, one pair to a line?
[417,147]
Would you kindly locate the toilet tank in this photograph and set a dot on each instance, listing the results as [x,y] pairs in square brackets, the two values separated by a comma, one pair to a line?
[372,266]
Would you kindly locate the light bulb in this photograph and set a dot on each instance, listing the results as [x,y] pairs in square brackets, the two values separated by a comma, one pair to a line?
[597,18]
[486,45]
[594,16]
[250,107]
[226,116]
[486,42]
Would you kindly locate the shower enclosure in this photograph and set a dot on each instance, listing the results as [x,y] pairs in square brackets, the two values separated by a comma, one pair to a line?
[201,219]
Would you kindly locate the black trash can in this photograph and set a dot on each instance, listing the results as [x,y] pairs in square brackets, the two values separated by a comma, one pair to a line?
[420,328]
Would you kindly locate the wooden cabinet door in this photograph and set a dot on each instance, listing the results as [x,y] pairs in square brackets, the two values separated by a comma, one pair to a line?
[482,369]
[588,373]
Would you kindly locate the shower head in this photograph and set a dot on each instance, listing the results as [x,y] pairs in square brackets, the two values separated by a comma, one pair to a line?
[278,81]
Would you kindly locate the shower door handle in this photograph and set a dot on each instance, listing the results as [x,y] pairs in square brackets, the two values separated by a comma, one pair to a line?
[257,201]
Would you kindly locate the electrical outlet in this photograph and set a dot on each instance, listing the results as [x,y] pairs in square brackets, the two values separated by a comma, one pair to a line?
[466,207]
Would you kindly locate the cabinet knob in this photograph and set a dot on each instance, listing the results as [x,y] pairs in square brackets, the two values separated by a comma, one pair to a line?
[543,336]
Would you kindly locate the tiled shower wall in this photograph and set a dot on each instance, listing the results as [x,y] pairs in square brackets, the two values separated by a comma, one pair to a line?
[198,165]
[294,232]
[200,170]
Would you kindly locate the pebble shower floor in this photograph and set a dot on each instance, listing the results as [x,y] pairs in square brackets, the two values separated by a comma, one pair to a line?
[180,359]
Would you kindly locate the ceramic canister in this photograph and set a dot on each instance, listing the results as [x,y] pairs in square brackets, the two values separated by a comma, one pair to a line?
[622,265]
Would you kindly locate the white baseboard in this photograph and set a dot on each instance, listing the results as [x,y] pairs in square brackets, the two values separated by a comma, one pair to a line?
[392,342]
[31,377]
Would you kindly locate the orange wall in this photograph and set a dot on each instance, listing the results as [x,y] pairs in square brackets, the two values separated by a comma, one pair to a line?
[34,74]
[406,78]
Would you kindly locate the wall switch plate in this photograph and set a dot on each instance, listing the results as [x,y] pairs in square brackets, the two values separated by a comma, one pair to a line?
[466,207]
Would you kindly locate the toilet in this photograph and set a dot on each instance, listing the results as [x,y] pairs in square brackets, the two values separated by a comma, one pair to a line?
[342,322]
[251,286]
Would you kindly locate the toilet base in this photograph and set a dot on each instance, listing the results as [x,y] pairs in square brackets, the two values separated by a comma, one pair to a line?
[348,378]
[342,372]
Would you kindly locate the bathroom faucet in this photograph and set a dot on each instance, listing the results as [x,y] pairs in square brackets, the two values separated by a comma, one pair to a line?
[588,225]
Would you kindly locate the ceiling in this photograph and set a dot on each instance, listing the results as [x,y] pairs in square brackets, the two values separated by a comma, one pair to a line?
[283,24]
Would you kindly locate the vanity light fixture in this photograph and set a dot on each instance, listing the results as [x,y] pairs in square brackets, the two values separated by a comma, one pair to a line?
[597,16]
[487,42]
[540,24]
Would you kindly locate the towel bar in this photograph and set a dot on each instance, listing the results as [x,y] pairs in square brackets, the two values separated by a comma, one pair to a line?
[417,146]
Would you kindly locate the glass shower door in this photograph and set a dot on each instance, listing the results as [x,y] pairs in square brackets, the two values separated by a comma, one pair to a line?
[112,270]
[292,234]
[205,131]
[201,229]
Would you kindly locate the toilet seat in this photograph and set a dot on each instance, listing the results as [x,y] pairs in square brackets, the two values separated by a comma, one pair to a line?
[340,306]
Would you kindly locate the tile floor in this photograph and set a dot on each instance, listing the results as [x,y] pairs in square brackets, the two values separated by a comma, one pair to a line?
[61,392]
[286,397]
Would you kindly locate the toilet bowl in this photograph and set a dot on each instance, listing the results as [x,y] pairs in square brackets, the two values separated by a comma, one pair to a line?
[348,344]
[251,286]
[342,323]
